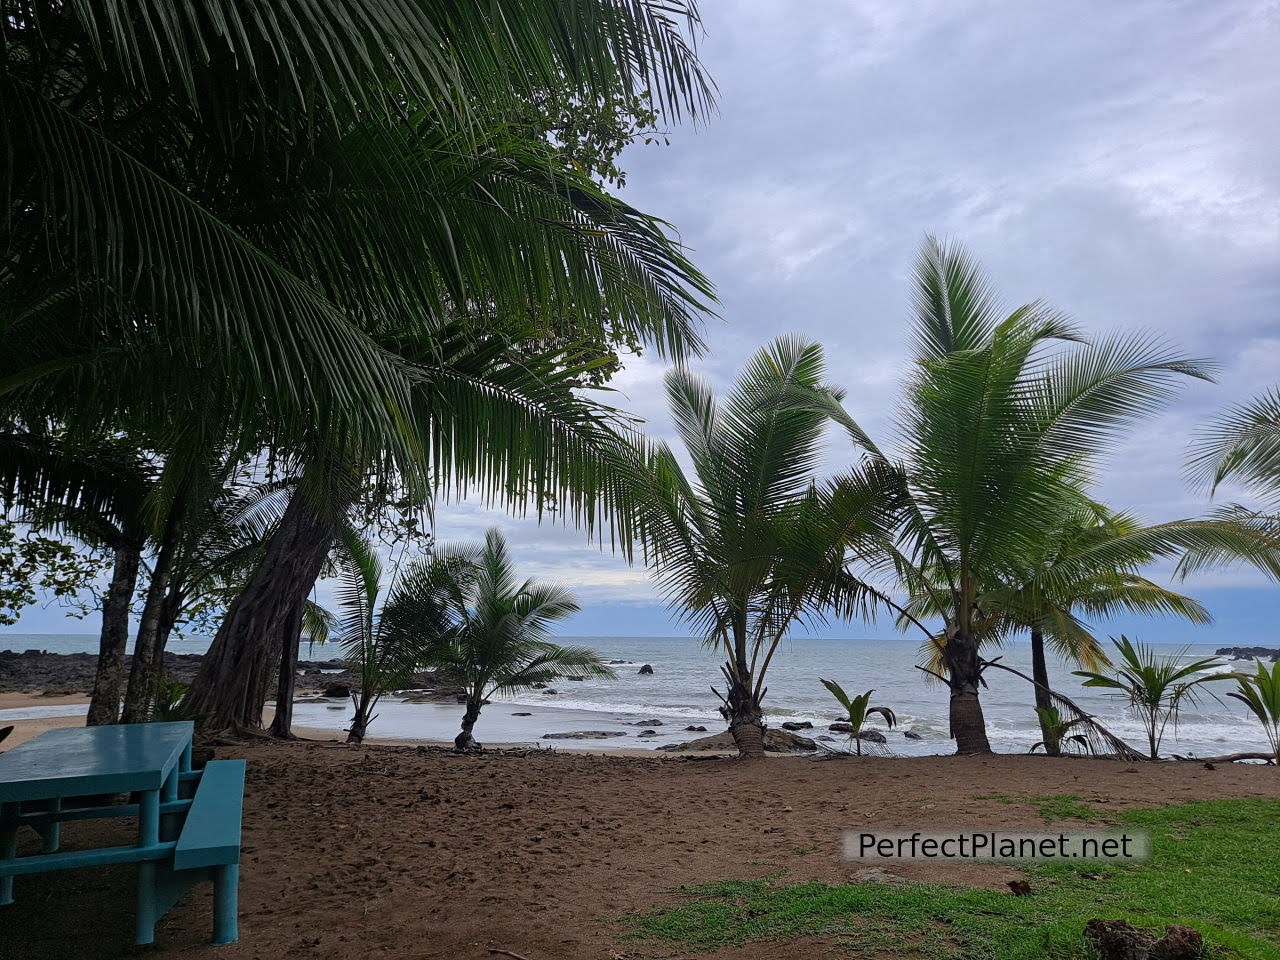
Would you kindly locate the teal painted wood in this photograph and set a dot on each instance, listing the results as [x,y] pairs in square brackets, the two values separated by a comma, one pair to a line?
[211,835]
[74,859]
[82,761]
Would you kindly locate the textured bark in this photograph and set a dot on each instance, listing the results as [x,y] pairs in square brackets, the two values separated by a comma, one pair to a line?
[1040,673]
[235,675]
[964,675]
[464,740]
[746,719]
[104,705]
[360,722]
[143,672]
[287,676]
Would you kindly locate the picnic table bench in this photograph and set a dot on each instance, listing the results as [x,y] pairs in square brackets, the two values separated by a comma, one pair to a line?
[188,821]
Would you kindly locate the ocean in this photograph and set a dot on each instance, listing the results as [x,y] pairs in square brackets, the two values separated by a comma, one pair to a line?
[678,694]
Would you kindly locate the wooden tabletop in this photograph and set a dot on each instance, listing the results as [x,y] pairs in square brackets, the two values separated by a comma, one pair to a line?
[82,761]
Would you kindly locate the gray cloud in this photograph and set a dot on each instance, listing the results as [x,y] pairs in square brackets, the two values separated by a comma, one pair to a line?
[1118,160]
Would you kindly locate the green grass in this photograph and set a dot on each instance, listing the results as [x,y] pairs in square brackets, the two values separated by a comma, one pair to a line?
[1215,865]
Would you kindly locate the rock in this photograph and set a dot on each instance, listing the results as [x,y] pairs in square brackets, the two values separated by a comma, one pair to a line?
[645,669]
[549,692]
[912,735]
[617,661]
[337,690]
[538,686]
[692,729]
[576,679]
[1249,653]
[840,726]
[1120,940]
[648,733]
[334,706]
[873,736]
[585,735]
[775,741]
[797,725]
[824,738]
[522,714]
[646,723]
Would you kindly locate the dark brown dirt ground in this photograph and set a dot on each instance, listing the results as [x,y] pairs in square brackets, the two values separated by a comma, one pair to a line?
[387,852]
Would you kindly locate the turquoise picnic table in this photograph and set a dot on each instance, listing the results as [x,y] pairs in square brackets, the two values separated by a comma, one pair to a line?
[188,821]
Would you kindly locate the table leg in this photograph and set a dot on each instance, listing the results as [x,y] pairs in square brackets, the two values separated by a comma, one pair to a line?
[148,836]
[8,847]
[53,830]
[226,908]
[144,927]
[184,763]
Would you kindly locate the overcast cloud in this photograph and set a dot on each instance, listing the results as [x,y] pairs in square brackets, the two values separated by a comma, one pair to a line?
[1116,159]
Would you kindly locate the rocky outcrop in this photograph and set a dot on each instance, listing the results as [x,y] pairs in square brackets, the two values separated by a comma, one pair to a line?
[797,725]
[646,669]
[1250,653]
[585,735]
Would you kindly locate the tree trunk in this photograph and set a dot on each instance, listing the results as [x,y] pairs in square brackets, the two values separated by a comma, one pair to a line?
[287,678]
[360,722]
[231,686]
[964,674]
[1040,673]
[746,719]
[465,741]
[104,705]
[143,673]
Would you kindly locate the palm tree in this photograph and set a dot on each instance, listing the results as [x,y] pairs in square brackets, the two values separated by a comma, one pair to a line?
[386,641]
[1261,694]
[1090,564]
[1156,687]
[752,543]
[856,711]
[260,233]
[496,628]
[1243,444]
[998,426]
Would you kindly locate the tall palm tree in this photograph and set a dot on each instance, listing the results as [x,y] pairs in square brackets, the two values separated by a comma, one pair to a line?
[998,424]
[267,227]
[496,629]
[752,543]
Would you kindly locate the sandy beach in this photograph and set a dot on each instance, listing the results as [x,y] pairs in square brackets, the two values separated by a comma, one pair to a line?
[415,853]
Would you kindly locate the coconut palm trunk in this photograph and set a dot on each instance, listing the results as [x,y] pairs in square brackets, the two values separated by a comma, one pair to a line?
[1044,702]
[464,740]
[143,671]
[108,681]
[235,675]
[745,715]
[964,669]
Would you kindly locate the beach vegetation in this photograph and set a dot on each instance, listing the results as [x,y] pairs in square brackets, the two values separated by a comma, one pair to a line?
[1260,692]
[494,629]
[1155,686]
[857,710]
[752,543]
[1005,413]
[344,255]
[1204,872]
[1057,732]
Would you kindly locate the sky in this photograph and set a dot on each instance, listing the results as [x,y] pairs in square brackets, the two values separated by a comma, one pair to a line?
[1118,160]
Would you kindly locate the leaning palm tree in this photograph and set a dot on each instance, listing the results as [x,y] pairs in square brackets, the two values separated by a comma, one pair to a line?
[999,423]
[495,631]
[260,231]
[1156,687]
[752,543]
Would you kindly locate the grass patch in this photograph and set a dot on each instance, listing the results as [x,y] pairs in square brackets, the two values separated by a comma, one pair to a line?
[1213,866]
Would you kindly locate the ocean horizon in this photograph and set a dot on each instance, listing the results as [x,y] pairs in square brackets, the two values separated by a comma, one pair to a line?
[678,695]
